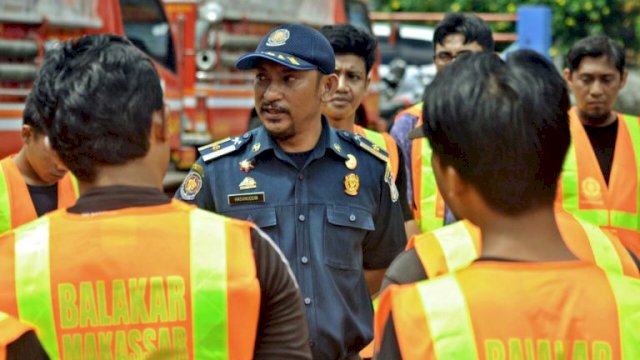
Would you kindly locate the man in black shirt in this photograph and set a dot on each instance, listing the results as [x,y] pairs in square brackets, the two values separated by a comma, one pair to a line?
[600,176]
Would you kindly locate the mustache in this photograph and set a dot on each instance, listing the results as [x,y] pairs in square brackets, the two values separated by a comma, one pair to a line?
[274,107]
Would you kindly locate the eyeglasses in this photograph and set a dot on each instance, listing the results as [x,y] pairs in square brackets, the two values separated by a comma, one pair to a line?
[446,57]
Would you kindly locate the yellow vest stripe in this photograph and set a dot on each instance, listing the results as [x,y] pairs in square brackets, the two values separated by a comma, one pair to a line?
[76,188]
[625,292]
[33,281]
[448,318]
[604,252]
[209,285]
[428,192]
[375,138]
[457,245]
[5,203]
[627,220]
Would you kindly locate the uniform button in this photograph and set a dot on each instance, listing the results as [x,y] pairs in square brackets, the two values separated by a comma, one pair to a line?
[301,217]
[246,135]
[352,217]
[300,176]
[304,259]
[307,301]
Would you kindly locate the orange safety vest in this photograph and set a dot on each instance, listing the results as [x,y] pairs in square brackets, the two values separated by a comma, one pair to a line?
[457,245]
[10,331]
[566,310]
[428,203]
[583,191]
[385,142]
[169,281]
[16,207]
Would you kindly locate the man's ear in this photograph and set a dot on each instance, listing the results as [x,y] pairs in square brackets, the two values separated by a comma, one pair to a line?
[329,87]
[26,132]
[160,124]
[623,79]
[567,76]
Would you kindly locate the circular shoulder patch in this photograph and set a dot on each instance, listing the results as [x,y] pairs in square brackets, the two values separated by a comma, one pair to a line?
[191,186]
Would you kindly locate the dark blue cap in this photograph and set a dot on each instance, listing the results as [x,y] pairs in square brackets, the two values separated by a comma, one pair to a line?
[295,46]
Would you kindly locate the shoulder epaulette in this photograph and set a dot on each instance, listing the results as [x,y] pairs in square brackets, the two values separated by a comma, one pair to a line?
[223,147]
[365,144]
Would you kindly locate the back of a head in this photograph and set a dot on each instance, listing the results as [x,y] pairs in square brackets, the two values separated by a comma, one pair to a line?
[347,39]
[473,28]
[40,105]
[596,46]
[503,126]
[106,93]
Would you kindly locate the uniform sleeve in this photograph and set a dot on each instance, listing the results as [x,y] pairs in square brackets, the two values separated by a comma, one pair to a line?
[388,239]
[405,268]
[282,327]
[196,187]
[401,184]
[389,348]
[402,125]
[26,347]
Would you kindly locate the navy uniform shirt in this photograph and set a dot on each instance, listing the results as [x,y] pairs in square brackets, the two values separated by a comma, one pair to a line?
[329,220]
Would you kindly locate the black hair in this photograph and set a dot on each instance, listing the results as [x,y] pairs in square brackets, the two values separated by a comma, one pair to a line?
[40,103]
[347,39]
[470,26]
[106,93]
[504,127]
[596,46]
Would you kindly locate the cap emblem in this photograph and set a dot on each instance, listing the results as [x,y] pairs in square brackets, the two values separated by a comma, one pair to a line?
[278,37]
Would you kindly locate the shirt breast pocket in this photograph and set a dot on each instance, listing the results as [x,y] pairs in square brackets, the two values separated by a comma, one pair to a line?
[345,229]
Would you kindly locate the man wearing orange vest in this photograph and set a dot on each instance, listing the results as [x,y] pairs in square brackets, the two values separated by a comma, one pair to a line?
[32,183]
[355,54]
[496,130]
[456,34]
[601,174]
[18,341]
[128,272]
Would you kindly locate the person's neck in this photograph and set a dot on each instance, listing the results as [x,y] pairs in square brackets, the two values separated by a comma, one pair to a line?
[134,173]
[347,124]
[28,173]
[600,122]
[305,140]
[532,236]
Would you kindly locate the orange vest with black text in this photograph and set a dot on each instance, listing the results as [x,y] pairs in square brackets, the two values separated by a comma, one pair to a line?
[497,310]
[428,203]
[16,207]
[583,191]
[457,245]
[167,281]
[385,142]
[10,331]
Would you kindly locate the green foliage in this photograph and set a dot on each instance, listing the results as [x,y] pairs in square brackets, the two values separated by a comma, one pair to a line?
[572,19]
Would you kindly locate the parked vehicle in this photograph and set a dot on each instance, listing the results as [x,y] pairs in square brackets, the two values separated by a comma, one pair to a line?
[27,28]
[406,67]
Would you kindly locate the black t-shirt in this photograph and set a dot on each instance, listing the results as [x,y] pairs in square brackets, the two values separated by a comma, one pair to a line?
[26,347]
[603,141]
[44,198]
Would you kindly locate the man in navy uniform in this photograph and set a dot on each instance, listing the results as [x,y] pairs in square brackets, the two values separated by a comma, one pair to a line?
[325,196]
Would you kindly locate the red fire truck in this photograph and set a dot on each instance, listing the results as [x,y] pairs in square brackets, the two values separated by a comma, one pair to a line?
[28,27]
[194,44]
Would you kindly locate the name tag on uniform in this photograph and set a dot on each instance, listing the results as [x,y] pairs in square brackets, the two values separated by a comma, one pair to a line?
[246,198]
